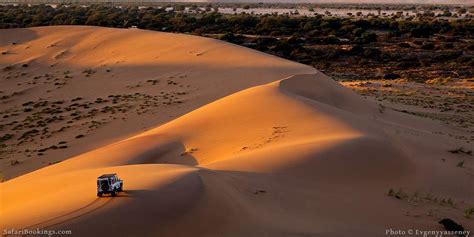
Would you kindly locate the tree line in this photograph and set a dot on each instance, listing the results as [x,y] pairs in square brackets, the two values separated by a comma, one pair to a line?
[152,18]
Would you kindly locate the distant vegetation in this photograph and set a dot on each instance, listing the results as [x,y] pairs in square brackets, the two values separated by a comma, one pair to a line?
[395,44]
[212,22]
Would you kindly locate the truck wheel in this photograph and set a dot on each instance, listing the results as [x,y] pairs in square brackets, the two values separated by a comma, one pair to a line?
[99,194]
[114,193]
[120,189]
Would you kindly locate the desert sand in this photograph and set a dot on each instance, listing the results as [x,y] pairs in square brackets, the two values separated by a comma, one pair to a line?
[258,146]
[103,85]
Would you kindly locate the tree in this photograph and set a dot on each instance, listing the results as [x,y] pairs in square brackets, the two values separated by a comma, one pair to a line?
[366,38]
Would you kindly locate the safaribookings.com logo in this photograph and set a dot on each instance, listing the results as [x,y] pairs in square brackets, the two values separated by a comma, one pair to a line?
[36,231]
[426,233]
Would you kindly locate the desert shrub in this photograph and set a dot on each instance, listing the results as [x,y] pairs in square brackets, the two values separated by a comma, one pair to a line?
[447,56]
[399,194]
[358,32]
[366,38]
[468,212]
[230,37]
[6,137]
[461,150]
[407,64]
[428,46]
[448,45]
[285,48]
[331,39]
[356,50]
[404,45]
[470,63]
[451,225]
[372,53]
[418,42]
[390,76]
[180,8]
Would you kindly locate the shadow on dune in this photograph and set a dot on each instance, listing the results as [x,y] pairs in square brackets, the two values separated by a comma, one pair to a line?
[95,205]
[16,36]
[237,201]
[92,206]
[264,204]
[323,89]
[170,152]
[364,159]
[145,213]
[134,193]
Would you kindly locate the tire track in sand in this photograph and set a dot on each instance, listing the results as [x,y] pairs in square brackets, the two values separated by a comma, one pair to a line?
[95,205]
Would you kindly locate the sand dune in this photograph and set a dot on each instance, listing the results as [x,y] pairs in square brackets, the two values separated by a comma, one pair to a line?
[108,84]
[277,155]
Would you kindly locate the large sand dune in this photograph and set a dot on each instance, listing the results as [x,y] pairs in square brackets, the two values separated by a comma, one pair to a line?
[108,84]
[288,153]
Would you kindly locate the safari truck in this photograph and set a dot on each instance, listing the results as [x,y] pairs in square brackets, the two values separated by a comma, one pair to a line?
[109,184]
